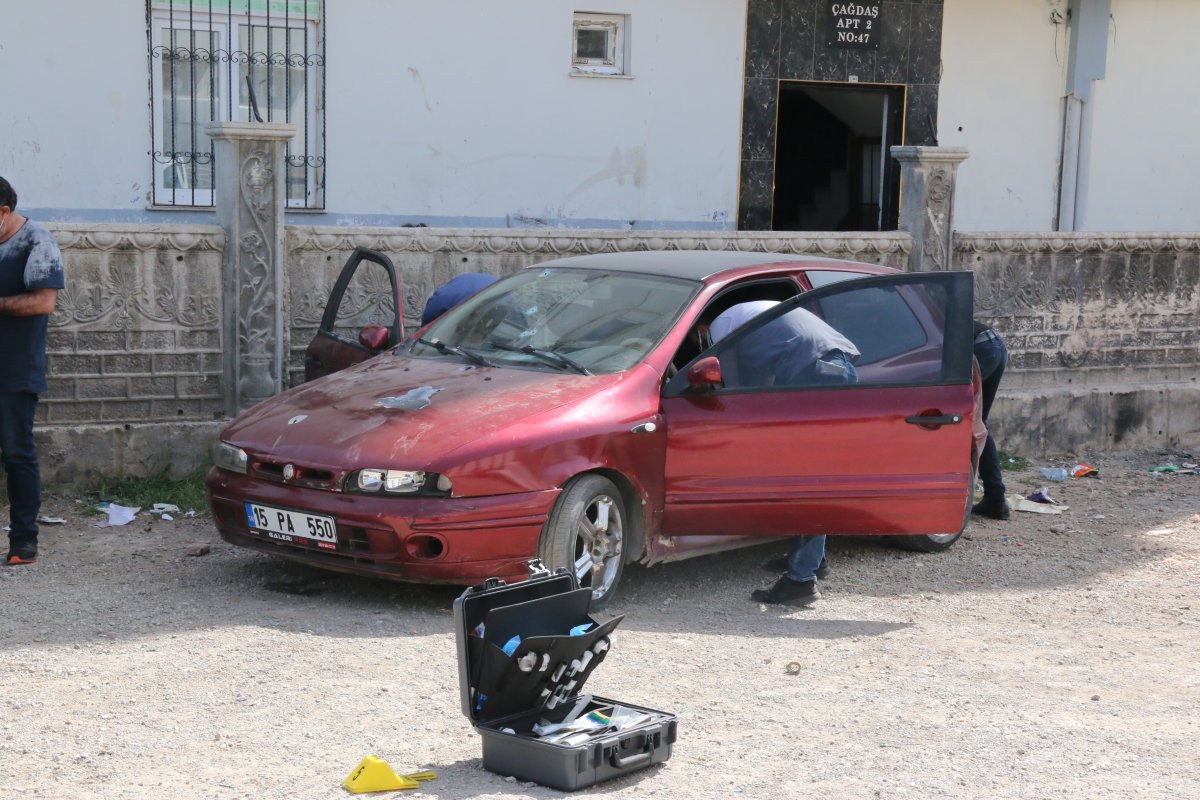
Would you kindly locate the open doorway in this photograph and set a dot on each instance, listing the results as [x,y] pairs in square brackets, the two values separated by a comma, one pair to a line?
[832,169]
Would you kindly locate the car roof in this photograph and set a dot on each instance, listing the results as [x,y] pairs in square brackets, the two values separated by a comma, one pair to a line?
[697,265]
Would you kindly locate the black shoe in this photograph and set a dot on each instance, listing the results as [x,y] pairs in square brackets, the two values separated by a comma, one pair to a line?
[788,592]
[780,564]
[994,510]
[22,552]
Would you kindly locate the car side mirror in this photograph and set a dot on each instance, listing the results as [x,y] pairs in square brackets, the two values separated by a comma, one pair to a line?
[705,373]
[374,337]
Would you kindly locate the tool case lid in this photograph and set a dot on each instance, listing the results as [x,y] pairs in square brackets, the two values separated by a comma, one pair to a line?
[542,610]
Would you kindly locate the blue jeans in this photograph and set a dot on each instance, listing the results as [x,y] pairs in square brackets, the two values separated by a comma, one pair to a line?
[806,555]
[992,355]
[20,462]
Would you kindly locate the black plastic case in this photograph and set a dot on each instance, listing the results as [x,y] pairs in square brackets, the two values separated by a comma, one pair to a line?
[498,696]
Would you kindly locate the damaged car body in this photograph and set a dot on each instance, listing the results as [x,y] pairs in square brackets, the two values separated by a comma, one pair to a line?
[577,412]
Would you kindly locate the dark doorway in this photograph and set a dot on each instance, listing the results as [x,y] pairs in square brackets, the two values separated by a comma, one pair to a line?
[832,171]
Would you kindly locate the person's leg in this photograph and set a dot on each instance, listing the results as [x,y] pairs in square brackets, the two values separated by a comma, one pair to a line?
[19,455]
[805,558]
[992,356]
[797,586]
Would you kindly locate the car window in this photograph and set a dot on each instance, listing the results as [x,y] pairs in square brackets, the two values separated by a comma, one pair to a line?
[601,321]
[825,277]
[879,320]
[880,333]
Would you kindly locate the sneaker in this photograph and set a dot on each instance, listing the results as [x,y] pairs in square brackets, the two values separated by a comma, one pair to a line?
[985,508]
[788,592]
[780,564]
[21,553]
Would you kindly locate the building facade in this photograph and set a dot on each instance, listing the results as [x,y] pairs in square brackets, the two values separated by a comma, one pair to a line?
[620,114]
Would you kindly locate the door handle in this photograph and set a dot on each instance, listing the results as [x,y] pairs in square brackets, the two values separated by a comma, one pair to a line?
[945,419]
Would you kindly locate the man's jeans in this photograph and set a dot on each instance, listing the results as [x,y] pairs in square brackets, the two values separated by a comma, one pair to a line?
[806,555]
[20,462]
[992,355]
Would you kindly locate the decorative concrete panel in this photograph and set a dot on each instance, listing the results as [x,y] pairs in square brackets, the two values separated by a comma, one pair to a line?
[126,326]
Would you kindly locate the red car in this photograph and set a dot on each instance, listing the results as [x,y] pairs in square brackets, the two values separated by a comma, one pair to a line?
[576,412]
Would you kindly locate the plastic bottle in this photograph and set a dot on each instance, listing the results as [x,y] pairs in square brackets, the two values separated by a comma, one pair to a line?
[1054,473]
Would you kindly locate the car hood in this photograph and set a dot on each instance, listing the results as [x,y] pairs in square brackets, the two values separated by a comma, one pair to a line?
[396,411]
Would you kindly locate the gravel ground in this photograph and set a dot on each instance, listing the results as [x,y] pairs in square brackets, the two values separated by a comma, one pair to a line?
[1043,657]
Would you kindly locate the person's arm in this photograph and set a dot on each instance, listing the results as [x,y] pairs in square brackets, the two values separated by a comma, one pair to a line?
[29,304]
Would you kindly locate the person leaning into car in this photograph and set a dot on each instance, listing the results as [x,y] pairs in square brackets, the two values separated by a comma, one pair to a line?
[797,349]
[992,354]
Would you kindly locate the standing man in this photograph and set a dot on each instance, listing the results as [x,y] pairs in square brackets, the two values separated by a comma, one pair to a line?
[992,354]
[31,273]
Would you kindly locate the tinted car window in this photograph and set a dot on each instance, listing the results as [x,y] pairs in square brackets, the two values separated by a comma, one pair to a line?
[878,320]
[602,321]
[890,334]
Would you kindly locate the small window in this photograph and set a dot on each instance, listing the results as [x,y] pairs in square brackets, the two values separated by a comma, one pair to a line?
[599,45]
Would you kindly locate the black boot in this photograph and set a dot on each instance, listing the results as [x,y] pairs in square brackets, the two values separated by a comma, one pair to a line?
[788,592]
[994,510]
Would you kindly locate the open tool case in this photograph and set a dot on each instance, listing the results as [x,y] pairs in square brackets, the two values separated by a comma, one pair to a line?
[506,695]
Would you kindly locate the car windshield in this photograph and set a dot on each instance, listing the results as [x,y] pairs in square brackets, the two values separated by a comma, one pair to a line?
[570,320]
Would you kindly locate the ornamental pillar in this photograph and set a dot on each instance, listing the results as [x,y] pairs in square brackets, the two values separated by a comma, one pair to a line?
[250,198]
[927,177]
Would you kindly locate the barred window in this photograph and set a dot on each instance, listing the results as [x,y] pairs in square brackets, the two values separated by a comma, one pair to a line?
[241,61]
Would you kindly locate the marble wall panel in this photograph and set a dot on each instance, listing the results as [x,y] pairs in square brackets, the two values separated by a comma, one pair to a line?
[763,24]
[759,106]
[785,40]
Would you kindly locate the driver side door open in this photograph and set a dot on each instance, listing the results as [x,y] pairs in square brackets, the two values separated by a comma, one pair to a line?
[782,451]
[362,316]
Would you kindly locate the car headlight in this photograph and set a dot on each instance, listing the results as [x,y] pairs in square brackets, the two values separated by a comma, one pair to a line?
[234,459]
[395,481]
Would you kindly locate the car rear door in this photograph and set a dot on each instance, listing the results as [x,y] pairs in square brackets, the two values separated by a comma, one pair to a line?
[890,454]
[362,316]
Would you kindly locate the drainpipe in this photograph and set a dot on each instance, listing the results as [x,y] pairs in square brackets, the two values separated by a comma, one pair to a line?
[1087,29]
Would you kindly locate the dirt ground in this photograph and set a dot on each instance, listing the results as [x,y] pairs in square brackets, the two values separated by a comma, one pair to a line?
[1043,657]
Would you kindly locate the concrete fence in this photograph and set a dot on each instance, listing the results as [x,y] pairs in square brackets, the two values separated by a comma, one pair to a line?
[164,332]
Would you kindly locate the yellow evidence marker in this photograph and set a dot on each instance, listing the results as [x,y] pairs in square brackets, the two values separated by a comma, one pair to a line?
[374,775]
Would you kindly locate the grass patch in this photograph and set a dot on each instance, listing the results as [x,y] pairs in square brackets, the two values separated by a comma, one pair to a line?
[186,492]
[1011,462]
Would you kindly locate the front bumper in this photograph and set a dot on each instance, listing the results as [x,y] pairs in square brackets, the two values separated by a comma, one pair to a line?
[419,539]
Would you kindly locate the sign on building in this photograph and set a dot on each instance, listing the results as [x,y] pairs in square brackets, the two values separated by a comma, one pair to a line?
[853,25]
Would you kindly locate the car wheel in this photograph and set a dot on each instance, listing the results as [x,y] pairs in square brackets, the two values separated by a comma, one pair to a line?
[937,542]
[586,535]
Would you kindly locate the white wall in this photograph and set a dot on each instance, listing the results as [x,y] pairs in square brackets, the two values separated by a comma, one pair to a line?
[455,113]
[1143,167]
[467,109]
[1003,72]
[74,129]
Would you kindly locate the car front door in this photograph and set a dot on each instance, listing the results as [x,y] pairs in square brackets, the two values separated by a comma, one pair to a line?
[793,453]
[361,319]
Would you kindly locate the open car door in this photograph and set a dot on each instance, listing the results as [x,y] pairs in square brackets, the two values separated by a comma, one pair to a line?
[785,451]
[362,317]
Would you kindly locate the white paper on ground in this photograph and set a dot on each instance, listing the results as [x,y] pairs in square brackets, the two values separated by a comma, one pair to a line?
[118,515]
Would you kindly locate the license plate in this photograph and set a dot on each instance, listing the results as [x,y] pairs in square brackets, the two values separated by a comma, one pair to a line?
[292,526]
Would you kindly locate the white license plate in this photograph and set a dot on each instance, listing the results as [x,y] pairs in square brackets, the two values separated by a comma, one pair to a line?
[288,526]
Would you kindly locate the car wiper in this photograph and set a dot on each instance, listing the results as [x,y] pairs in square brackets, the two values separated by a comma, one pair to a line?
[449,349]
[551,357]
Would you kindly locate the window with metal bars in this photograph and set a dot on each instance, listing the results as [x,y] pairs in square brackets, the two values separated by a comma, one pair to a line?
[241,61]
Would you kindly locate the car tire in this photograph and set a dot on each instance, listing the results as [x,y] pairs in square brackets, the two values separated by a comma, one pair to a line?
[585,534]
[939,542]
